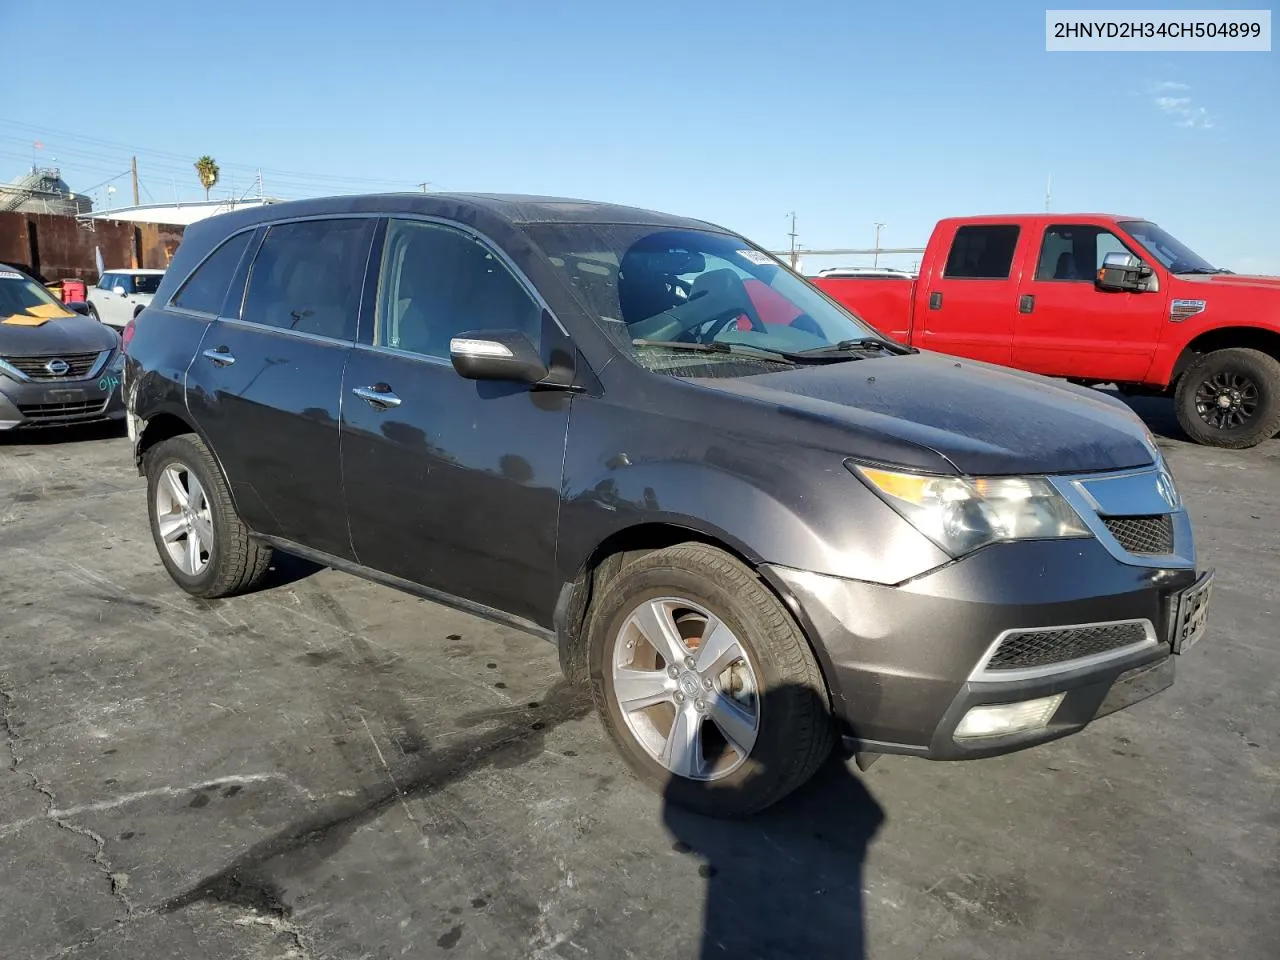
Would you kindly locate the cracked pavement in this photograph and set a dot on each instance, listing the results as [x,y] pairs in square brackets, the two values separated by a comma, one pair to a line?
[331,769]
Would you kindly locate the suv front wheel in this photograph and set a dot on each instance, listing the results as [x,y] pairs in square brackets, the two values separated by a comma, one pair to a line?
[200,539]
[705,683]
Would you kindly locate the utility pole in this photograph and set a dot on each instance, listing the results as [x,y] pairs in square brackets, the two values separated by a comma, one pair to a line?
[876,261]
[1048,192]
[133,169]
[261,194]
[424,184]
[795,255]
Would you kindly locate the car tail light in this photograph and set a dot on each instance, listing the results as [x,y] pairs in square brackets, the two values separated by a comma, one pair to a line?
[127,334]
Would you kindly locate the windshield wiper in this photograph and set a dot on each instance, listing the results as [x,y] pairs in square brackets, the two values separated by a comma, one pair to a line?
[862,343]
[1202,270]
[720,346]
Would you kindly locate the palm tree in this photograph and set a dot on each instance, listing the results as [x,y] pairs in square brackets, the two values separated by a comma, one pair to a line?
[207,171]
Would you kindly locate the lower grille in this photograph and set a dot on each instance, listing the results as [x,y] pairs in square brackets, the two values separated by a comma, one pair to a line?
[1149,536]
[1028,649]
[78,365]
[50,411]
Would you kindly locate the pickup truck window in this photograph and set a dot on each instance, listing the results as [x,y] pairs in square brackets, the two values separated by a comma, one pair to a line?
[1172,253]
[1074,252]
[982,253]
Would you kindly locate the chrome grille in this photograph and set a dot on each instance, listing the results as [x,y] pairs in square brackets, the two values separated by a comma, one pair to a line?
[79,365]
[1028,649]
[53,411]
[1149,535]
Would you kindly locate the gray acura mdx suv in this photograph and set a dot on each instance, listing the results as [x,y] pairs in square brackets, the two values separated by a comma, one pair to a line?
[753,524]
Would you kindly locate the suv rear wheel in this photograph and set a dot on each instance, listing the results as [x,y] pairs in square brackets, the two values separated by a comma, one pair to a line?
[1230,398]
[200,539]
[705,683]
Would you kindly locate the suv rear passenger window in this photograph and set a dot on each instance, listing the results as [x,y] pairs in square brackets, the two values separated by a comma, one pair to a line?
[205,289]
[982,253]
[438,282]
[308,277]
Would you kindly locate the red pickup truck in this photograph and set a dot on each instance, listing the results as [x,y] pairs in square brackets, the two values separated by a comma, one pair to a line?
[1097,299]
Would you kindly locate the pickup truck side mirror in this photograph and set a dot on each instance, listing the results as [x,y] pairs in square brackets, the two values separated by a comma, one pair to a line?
[1123,272]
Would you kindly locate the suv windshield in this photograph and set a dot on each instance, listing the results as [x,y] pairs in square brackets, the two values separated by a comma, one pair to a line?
[673,288]
[146,282]
[18,294]
[1168,249]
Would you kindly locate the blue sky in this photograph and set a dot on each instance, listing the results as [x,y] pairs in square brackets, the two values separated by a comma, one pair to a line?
[845,112]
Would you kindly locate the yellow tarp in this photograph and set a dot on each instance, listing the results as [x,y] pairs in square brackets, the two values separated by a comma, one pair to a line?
[38,315]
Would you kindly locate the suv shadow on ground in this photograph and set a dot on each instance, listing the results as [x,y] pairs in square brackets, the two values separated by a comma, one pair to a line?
[786,882]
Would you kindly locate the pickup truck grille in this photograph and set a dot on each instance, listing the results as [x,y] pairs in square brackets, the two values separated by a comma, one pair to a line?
[1146,536]
[79,365]
[1028,649]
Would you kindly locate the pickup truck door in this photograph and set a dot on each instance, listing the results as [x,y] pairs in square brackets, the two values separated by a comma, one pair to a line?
[1067,327]
[966,305]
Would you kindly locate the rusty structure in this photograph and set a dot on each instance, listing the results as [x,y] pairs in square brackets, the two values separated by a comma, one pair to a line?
[53,247]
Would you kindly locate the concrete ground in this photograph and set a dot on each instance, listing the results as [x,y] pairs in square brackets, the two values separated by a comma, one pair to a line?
[330,769]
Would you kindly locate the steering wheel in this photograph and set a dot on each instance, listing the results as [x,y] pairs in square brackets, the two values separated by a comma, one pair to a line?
[684,287]
[707,330]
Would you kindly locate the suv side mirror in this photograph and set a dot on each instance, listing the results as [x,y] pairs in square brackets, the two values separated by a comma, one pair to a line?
[118,290]
[78,306]
[1123,271]
[496,355]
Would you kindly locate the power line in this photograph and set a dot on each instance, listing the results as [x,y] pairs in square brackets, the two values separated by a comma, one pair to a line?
[164,155]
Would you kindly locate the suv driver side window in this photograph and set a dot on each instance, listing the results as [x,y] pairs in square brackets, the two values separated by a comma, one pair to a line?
[438,282]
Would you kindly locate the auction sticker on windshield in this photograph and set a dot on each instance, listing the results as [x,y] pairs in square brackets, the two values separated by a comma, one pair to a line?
[756,257]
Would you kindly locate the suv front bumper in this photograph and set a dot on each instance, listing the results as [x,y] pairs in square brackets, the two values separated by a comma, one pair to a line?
[906,664]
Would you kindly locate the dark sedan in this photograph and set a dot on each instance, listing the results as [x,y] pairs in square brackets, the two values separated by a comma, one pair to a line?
[754,525]
[56,366]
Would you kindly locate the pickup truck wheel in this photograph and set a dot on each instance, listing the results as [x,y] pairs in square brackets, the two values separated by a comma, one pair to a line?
[1230,398]
[201,541]
[705,683]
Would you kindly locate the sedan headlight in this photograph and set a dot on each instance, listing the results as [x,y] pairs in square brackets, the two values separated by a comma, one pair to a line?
[117,363]
[961,514]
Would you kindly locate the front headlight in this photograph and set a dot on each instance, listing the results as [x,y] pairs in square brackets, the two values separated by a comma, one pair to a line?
[117,363]
[961,514]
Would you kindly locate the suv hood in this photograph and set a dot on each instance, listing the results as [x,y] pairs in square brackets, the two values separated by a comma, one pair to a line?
[980,418]
[61,335]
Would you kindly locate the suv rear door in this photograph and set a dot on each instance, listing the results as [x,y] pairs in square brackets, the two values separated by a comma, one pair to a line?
[450,483]
[265,385]
[1068,327]
[967,303]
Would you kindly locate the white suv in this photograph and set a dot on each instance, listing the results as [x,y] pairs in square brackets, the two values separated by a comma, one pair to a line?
[120,295]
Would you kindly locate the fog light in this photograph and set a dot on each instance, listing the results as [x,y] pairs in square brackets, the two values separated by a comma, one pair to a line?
[1001,719]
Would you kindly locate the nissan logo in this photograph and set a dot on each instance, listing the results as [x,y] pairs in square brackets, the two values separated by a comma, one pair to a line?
[1166,489]
[59,368]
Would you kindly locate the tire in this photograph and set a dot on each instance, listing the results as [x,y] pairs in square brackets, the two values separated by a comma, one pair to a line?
[93,313]
[1249,380]
[792,730]
[233,562]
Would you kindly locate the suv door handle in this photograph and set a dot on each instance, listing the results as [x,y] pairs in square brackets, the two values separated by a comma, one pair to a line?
[378,396]
[1027,303]
[220,355]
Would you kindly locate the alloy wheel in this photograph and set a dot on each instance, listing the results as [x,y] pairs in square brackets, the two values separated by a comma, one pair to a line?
[1227,400]
[184,520]
[686,688]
